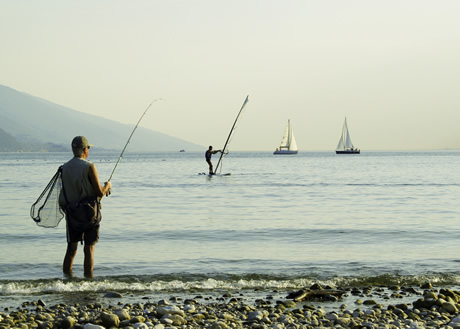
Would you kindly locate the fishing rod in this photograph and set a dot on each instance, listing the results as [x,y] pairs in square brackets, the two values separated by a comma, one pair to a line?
[132,133]
[231,131]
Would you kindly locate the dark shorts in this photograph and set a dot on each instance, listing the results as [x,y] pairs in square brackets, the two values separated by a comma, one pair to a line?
[90,237]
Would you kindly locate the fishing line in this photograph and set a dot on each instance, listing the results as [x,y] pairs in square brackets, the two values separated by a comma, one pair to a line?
[132,133]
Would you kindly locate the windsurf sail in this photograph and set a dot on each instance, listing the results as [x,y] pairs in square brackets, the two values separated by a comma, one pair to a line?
[224,149]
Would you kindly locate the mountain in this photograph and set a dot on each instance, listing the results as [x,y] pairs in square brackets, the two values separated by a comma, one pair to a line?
[10,144]
[29,123]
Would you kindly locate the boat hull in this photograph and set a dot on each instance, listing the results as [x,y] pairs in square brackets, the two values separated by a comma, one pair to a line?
[348,152]
[285,152]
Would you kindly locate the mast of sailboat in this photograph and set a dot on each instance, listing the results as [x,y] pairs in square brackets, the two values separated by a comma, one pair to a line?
[231,132]
[289,135]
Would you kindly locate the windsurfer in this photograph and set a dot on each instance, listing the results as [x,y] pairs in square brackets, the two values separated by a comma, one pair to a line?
[208,155]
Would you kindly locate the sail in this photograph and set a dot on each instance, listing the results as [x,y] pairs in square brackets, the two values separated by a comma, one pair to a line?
[224,149]
[292,144]
[285,139]
[345,140]
[288,141]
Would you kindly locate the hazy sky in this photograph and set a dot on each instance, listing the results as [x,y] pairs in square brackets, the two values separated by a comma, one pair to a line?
[391,67]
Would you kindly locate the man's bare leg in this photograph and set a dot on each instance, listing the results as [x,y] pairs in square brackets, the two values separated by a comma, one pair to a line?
[69,257]
[89,260]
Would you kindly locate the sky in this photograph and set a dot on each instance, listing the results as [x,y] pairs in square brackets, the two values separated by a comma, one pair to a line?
[392,67]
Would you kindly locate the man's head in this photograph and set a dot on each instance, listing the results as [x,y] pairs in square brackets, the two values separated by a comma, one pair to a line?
[210,147]
[79,144]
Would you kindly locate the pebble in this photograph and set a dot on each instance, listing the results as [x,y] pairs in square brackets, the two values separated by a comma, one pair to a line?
[434,309]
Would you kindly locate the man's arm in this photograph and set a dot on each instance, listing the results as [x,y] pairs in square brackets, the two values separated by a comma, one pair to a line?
[94,178]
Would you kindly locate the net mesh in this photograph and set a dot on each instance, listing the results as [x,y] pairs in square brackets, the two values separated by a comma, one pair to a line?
[46,211]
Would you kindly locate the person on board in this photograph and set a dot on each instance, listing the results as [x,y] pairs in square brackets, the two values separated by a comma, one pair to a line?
[80,180]
[208,155]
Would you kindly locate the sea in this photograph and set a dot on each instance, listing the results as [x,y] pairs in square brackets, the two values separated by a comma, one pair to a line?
[276,224]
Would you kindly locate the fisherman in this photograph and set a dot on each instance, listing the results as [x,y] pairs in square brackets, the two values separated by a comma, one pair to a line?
[208,155]
[80,180]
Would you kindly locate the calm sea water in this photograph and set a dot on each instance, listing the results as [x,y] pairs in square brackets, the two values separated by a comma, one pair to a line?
[276,223]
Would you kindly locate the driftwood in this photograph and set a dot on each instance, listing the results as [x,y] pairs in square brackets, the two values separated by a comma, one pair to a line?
[307,294]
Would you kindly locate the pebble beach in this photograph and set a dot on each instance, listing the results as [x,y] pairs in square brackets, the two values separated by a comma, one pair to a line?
[370,307]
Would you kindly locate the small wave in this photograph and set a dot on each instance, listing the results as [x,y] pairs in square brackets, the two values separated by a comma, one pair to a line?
[189,283]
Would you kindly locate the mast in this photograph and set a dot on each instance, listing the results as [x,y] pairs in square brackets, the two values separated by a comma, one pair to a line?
[231,132]
[345,140]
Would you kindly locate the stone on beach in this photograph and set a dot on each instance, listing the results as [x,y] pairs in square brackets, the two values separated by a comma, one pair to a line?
[315,292]
[92,326]
[109,320]
[436,309]
[122,314]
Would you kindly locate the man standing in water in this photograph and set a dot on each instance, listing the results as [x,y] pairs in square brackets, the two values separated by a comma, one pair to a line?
[208,155]
[80,180]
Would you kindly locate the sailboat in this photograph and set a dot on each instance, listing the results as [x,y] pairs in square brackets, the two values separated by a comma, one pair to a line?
[288,144]
[345,146]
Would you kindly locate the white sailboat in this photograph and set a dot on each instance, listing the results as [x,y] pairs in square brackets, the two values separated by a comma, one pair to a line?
[345,146]
[288,144]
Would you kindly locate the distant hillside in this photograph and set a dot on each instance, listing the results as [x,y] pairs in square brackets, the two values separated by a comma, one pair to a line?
[10,144]
[29,123]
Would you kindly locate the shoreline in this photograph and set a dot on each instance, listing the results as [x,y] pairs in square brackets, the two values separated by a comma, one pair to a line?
[369,307]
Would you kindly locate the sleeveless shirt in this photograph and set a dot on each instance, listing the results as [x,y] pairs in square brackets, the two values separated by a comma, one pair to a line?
[75,180]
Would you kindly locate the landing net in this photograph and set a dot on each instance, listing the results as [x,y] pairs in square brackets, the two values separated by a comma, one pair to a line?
[46,211]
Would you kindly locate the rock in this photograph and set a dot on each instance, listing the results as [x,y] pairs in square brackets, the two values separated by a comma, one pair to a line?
[426,285]
[455,322]
[167,321]
[122,314]
[289,303]
[332,316]
[140,325]
[44,317]
[112,294]
[109,320]
[255,316]
[413,316]
[424,303]
[189,308]
[45,325]
[369,302]
[450,307]
[298,295]
[67,322]
[316,286]
[450,293]
[316,293]
[92,326]
[430,295]
[177,320]
[136,319]
[169,309]
[219,325]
